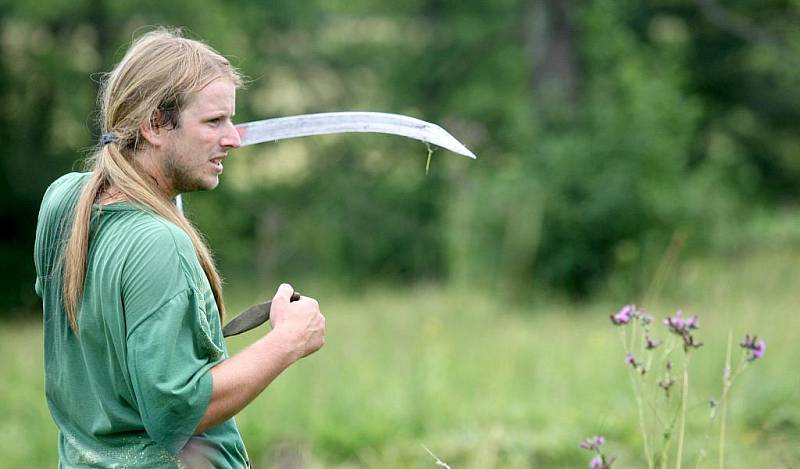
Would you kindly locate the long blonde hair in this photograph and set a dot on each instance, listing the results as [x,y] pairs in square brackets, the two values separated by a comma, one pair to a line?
[150,85]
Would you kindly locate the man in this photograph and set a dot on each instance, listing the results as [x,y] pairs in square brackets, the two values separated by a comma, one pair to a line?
[136,370]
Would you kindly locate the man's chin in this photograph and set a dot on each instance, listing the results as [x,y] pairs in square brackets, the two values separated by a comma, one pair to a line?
[201,186]
[211,185]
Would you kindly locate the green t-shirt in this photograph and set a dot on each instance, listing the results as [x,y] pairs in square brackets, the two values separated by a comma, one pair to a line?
[132,387]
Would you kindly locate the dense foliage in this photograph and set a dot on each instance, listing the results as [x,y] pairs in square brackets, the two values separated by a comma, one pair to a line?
[604,130]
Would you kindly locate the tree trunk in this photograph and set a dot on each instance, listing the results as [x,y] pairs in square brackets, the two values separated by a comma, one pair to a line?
[552,40]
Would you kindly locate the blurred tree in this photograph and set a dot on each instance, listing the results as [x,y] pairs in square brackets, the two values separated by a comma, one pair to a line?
[46,57]
[601,127]
[552,37]
[743,65]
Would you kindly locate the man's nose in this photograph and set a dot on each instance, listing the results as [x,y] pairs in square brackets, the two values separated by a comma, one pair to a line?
[231,138]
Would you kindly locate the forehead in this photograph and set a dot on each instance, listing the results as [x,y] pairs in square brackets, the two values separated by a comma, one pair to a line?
[219,95]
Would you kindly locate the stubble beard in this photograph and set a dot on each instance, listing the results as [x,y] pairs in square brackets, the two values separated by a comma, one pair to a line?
[183,176]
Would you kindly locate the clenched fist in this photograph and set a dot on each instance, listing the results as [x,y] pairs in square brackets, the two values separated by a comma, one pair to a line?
[299,324]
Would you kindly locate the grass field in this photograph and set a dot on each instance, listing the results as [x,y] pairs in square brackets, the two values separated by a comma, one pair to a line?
[484,384]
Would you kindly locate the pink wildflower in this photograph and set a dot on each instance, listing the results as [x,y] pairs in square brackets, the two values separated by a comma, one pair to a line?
[759,349]
[651,344]
[756,347]
[593,443]
[624,315]
[682,327]
[630,360]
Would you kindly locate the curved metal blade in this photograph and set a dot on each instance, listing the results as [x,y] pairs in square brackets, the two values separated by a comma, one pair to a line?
[339,122]
[252,317]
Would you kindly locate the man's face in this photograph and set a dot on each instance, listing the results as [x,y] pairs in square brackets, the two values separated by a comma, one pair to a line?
[193,152]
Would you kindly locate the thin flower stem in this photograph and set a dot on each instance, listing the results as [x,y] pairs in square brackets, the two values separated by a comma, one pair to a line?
[667,427]
[726,384]
[637,391]
[668,440]
[728,378]
[684,399]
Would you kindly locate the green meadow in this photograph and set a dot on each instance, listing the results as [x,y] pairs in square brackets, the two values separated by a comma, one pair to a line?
[623,146]
[482,382]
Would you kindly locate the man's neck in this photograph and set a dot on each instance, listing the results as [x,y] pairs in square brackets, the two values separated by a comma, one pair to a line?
[150,162]
[150,171]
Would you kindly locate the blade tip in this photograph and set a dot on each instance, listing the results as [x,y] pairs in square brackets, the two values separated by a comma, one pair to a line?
[466,152]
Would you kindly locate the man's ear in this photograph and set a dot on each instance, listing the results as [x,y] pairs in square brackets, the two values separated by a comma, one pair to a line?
[153,133]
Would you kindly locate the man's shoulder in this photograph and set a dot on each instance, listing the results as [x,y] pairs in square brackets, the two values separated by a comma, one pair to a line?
[59,201]
[150,232]
[64,191]
[71,178]
[54,219]
[65,185]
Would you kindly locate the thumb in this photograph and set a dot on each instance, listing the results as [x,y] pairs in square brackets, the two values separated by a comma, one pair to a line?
[283,294]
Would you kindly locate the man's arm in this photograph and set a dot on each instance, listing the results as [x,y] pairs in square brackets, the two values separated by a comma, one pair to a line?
[298,330]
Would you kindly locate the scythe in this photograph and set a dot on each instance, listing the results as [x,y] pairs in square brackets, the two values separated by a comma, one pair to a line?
[281,128]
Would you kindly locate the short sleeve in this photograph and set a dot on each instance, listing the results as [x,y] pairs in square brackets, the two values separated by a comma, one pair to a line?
[170,356]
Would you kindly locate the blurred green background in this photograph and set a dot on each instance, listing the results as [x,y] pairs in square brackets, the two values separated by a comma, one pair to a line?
[628,151]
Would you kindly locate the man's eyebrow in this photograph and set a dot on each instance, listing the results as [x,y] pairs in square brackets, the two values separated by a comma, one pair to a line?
[218,113]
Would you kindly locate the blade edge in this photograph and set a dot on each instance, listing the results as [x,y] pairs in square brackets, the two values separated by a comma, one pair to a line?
[281,128]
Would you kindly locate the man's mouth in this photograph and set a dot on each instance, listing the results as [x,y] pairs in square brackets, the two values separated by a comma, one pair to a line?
[216,163]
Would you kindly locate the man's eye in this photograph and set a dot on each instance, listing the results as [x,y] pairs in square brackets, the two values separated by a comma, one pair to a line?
[215,121]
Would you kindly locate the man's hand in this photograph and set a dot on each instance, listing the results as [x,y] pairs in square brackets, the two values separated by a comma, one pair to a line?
[298,330]
[299,324]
